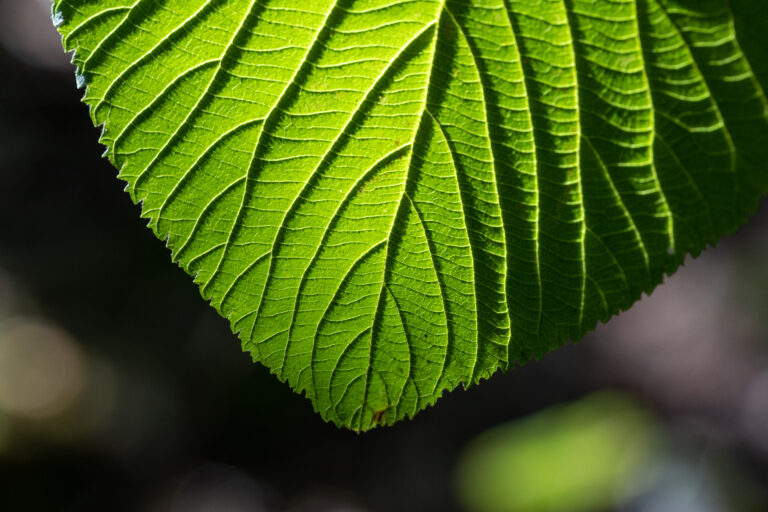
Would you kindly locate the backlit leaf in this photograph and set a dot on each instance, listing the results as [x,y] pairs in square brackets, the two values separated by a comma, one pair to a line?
[388,198]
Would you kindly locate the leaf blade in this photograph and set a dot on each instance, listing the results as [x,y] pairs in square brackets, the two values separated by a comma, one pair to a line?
[389,199]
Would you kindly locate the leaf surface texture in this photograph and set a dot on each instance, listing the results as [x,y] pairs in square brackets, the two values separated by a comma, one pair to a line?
[389,198]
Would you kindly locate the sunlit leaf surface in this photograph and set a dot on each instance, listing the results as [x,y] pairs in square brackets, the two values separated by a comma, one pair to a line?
[388,198]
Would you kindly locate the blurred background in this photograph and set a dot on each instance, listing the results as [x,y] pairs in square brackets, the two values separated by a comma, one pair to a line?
[120,389]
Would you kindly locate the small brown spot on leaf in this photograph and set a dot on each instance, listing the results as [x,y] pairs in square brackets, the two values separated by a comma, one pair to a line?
[377,415]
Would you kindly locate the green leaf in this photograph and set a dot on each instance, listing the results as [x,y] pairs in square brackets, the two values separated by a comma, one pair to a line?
[388,198]
[591,455]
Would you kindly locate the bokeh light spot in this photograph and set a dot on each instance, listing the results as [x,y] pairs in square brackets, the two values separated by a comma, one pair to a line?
[42,369]
[580,457]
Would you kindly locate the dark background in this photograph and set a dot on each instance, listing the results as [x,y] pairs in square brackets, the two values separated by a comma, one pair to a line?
[134,395]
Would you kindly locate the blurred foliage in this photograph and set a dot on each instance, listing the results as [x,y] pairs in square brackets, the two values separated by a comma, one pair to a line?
[579,457]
